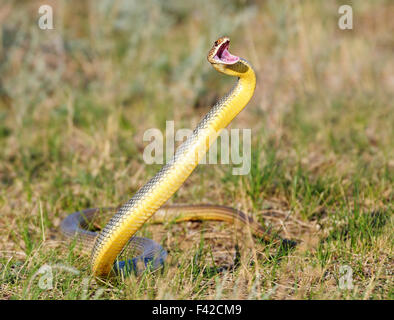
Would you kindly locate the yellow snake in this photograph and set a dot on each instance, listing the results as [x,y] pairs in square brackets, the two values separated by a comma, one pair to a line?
[148,201]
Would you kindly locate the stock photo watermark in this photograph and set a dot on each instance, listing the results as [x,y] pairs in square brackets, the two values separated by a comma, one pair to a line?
[345,21]
[346,277]
[232,146]
[45,21]
[46,279]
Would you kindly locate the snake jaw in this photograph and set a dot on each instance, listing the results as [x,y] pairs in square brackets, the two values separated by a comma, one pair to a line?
[219,53]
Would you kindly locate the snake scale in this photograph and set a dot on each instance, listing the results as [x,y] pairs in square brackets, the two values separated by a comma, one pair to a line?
[118,234]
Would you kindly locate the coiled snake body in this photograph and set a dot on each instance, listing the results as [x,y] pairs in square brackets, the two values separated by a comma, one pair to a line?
[130,217]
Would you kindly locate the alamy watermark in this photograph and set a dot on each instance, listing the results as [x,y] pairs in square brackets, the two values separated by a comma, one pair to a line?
[346,279]
[225,147]
[45,22]
[46,279]
[345,21]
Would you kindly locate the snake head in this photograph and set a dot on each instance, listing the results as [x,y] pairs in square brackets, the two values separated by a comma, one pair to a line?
[223,61]
[219,53]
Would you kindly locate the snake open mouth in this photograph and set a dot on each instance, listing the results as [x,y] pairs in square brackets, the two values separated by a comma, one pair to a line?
[224,56]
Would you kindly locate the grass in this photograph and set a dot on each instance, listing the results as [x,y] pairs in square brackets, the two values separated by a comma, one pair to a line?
[75,102]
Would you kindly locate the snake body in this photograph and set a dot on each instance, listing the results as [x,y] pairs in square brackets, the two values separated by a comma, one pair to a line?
[148,201]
